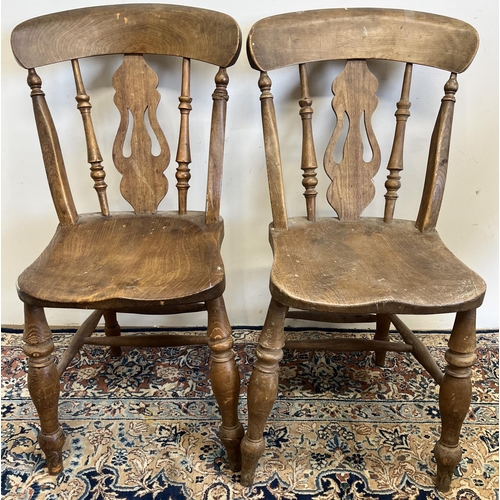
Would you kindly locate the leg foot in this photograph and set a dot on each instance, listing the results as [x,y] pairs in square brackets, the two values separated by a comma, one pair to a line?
[225,379]
[43,384]
[231,439]
[263,388]
[52,444]
[251,452]
[447,459]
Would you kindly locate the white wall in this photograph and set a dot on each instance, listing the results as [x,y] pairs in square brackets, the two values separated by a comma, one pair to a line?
[469,218]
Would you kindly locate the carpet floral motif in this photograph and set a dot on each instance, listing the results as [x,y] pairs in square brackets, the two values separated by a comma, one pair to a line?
[145,426]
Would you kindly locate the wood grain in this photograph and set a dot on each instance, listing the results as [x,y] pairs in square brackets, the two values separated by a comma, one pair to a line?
[174,30]
[216,148]
[151,260]
[51,152]
[437,166]
[369,266]
[389,34]
[352,189]
[272,152]
[143,183]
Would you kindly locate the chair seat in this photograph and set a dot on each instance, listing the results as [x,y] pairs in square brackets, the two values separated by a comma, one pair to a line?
[126,261]
[368,266]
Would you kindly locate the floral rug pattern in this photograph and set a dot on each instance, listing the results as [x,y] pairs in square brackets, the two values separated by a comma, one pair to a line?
[145,426]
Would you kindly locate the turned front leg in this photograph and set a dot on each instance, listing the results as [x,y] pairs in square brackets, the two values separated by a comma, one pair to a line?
[44,384]
[455,396]
[263,388]
[225,380]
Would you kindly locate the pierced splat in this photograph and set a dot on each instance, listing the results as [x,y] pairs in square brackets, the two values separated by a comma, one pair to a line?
[352,189]
[143,184]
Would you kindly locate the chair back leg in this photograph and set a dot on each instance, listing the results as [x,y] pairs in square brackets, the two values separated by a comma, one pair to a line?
[112,329]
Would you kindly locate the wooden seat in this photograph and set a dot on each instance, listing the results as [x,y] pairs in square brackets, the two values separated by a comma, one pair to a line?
[350,268]
[146,260]
[367,265]
[164,259]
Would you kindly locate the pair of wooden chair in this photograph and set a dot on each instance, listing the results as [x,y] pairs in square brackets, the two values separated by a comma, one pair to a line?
[334,269]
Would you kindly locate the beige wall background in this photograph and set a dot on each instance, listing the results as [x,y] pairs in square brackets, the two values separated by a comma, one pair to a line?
[469,217]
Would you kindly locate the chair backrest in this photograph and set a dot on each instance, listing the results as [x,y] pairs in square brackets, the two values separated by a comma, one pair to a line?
[358,35]
[132,30]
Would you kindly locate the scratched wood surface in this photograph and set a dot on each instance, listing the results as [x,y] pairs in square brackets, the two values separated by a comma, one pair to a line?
[137,259]
[369,266]
[401,35]
[162,29]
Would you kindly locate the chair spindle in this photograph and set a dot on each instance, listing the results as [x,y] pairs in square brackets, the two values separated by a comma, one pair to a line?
[216,150]
[183,150]
[437,165]
[93,154]
[273,155]
[309,163]
[395,165]
[51,152]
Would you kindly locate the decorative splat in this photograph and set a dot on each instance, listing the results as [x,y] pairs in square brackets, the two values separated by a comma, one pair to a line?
[143,184]
[352,189]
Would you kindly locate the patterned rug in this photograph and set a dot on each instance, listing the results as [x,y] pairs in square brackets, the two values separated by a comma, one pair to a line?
[145,427]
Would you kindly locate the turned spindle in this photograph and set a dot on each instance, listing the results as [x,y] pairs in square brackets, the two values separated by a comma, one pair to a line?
[309,163]
[183,158]
[395,165]
[93,154]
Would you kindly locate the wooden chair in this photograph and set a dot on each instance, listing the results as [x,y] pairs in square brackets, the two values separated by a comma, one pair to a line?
[146,260]
[353,268]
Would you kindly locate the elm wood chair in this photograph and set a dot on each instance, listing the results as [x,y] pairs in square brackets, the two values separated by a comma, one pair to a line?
[143,261]
[353,268]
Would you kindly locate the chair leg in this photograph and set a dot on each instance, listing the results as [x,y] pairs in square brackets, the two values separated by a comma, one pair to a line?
[112,329]
[455,396]
[382,333]
[225,379]
[44,385]
[263,388]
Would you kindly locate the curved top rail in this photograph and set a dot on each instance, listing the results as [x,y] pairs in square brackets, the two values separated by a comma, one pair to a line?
[364,33]
[189,32]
